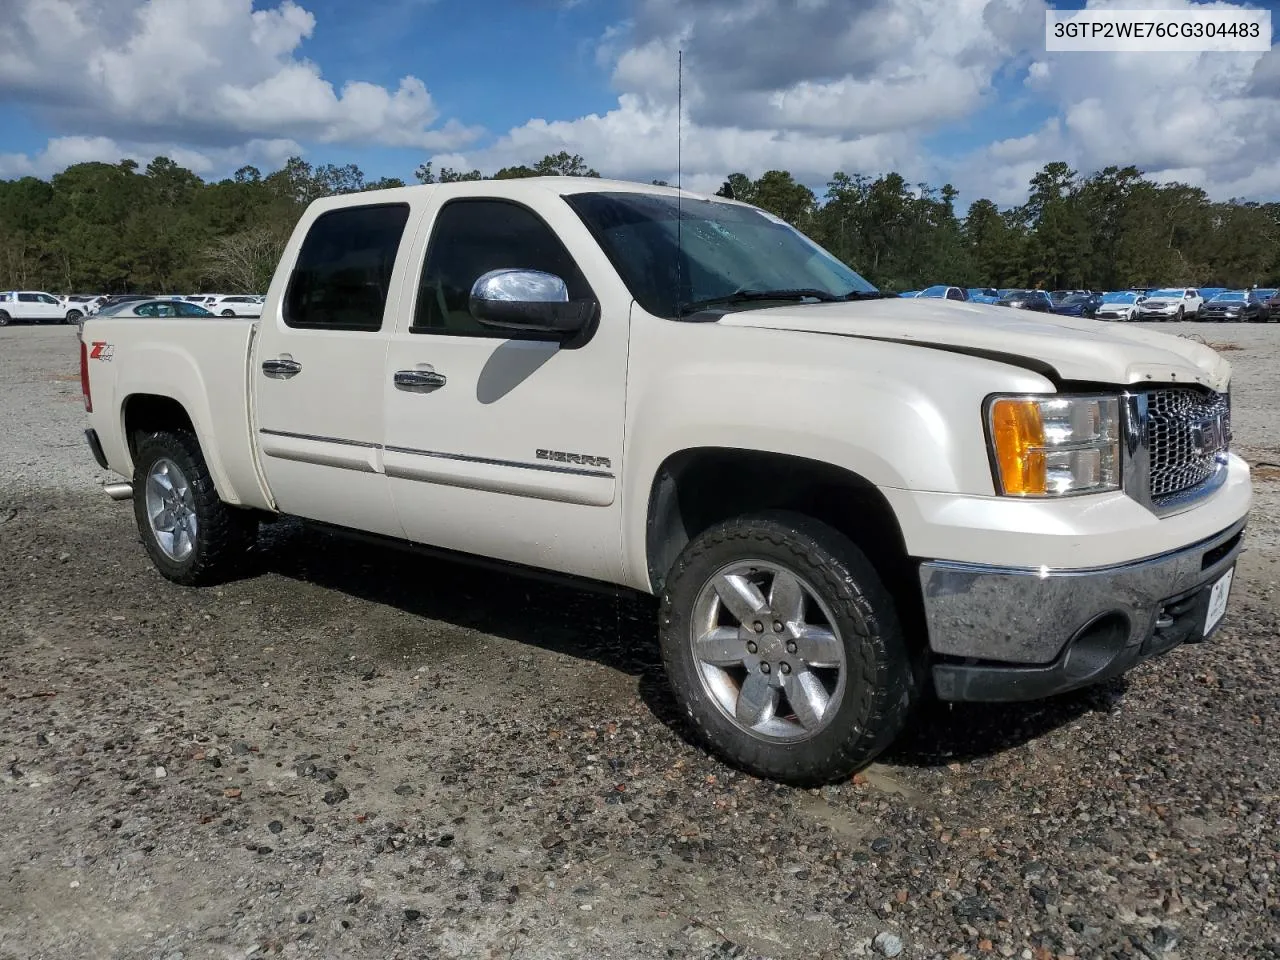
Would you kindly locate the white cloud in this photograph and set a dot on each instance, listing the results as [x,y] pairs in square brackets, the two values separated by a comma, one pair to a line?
[62,152]
[215,73]
[823,85]
[1208,119]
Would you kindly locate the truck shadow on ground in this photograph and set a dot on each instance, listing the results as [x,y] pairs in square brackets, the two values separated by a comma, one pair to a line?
[618,629]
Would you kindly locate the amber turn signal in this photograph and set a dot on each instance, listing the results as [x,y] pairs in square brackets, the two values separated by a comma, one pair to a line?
[1017,434]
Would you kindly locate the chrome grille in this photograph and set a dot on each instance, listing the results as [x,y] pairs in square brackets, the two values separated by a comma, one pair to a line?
[1188,434]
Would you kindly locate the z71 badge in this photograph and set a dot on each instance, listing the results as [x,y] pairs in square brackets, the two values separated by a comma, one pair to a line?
[101,350]
[580,459]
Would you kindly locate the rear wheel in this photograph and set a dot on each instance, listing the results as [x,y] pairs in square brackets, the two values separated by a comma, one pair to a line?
[784,648]
[228,313]
[73,316]
[193,538]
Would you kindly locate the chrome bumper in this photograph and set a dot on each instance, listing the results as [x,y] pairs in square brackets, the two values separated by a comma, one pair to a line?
[1004,633]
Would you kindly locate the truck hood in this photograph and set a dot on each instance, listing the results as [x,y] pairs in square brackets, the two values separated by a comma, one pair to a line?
[1063,348]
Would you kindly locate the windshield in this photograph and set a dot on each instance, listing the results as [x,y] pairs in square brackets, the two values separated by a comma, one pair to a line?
[1119,297]
[1229,296]
[719,249]
[1167,294]
[1076,298]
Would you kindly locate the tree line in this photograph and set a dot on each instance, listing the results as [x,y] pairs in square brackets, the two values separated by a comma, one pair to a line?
[100,227]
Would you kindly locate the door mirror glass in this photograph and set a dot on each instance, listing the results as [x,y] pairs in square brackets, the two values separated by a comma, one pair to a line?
[534,300]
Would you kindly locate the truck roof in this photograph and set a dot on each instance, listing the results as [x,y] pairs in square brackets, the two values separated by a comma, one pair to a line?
[511,188]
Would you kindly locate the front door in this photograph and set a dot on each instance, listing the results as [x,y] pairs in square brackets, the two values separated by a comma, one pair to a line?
[509,447]
[317,370]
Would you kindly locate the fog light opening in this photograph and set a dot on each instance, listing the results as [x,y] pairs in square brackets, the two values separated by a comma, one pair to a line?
[1096,645]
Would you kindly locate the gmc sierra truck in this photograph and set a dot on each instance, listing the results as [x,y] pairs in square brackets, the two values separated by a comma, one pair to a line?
[843,500]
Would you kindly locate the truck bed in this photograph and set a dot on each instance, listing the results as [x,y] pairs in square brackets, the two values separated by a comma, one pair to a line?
[202,364]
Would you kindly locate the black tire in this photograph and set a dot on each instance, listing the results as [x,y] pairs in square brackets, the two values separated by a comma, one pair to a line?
[73,316]
[228,313]
[4,318]
[880,686]
[223,534]
[1177,317]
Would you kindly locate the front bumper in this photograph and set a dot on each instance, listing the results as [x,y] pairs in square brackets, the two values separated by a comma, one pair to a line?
[1008,633]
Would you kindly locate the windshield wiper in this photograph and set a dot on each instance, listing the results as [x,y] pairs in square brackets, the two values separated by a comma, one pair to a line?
[791,293]
[749,296]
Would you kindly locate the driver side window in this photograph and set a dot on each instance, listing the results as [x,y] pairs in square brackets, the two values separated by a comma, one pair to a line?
[472,237]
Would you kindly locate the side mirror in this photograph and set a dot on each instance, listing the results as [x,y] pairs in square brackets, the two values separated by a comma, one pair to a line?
[530,300]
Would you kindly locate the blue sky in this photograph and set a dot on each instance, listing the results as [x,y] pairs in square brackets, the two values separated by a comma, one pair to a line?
[957,91]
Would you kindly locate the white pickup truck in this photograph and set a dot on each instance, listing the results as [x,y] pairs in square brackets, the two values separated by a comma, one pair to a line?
[36,306]
[843,500]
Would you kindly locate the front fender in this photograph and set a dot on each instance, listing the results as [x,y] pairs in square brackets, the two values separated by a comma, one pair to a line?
[897,416]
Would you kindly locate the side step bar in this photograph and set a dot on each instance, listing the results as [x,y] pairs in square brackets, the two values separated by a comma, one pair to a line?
[122,490]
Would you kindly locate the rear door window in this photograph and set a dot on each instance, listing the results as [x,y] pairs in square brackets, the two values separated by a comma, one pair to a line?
[343,273]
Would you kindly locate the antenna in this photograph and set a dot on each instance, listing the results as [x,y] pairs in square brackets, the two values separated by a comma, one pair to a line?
[679,179]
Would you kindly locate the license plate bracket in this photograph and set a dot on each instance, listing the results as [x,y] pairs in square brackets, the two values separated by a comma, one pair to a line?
[1216,608]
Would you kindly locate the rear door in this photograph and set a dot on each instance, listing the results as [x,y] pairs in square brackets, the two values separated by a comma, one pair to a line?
[516,452]
[30,307]
[318,368]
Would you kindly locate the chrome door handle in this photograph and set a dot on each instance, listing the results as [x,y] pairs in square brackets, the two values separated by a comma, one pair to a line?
[279,369]
[418,381]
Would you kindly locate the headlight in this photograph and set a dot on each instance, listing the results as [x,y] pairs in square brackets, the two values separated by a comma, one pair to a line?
[1051,446]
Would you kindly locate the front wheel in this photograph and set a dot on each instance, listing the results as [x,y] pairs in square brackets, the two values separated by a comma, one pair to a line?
[1177,317]
[4,318]
[193,538]
[784,648]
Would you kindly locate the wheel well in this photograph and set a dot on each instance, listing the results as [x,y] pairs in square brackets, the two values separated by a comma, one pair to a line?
[146,413]
[695,489]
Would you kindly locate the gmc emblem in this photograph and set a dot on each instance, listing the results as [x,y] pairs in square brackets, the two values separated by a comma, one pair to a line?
[1207,435]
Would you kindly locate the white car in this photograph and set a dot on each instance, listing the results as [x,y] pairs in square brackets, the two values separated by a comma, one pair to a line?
[236,305]
[1119,305]
[36,306]
[842,499]
[1171,303]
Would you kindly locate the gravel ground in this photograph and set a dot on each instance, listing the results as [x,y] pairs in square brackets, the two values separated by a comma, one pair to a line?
[358,753]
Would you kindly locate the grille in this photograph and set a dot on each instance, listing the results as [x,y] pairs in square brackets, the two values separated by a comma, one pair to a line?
[1187,431]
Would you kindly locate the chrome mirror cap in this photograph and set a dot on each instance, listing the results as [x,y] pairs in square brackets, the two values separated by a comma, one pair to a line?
[513,285]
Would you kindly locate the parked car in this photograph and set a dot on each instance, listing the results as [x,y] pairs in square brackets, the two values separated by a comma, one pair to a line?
[1078,305]
[158,307]
[943,292]
[1170,303]
[237,305]
[1036,300]
[36,306]
[1237,305]
[1117,305]
[983,294]
[1272,306]
[116,298]
[912,494]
